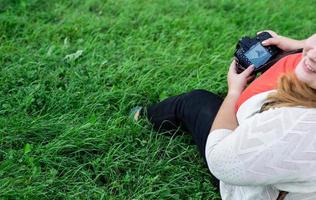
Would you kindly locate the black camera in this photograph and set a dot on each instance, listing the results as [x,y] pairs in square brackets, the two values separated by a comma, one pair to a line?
[250,51]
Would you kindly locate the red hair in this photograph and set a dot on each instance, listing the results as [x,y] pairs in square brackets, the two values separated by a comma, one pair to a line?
[291,92]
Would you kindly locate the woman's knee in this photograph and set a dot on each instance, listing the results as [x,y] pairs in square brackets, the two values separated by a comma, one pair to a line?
[202,95]
[199,93]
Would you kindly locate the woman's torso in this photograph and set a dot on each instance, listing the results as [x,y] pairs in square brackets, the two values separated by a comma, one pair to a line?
[268,80]
[248,106]
[303,152]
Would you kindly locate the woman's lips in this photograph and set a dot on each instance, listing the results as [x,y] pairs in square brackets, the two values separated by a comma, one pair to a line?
[308,68]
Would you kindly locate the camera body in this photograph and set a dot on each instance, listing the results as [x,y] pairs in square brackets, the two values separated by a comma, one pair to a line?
[250,51]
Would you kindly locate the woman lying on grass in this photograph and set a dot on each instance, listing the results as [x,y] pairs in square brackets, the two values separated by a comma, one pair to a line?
[258,141]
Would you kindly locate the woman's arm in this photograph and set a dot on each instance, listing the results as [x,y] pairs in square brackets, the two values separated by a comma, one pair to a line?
[284,43]
[274,147]
[226,116]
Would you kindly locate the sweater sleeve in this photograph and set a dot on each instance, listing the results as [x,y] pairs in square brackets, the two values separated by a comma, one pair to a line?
[273,147]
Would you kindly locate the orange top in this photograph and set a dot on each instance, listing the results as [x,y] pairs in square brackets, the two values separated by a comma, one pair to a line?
[268,80]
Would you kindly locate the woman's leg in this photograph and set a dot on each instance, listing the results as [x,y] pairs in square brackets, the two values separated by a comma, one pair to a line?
[193,112]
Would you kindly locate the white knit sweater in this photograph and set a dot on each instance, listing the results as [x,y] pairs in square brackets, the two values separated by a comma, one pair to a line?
[269,151]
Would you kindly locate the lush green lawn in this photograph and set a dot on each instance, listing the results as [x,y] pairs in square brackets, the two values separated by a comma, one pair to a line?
[71,70]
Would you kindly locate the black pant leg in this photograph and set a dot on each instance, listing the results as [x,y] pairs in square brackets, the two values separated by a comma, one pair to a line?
[164,115]
[194,112]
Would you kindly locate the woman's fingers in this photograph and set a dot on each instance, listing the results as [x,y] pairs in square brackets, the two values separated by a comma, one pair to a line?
[259,32]
[272,33]
[248,71]
[245,73]
[251,78]
[270,41]
[232,67]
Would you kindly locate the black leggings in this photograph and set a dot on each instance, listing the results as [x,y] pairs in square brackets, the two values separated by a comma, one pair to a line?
[192,112]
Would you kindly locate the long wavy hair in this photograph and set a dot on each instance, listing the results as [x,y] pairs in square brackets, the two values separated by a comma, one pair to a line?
[291,92]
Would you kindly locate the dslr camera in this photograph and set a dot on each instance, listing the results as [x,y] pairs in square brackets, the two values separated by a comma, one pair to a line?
[250,51]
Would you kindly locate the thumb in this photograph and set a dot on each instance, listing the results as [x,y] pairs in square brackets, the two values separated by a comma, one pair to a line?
[248,71]
[270,41]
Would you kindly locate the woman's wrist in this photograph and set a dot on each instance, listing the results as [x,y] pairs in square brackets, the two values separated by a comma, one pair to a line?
[226,117]
[301,44]
[233,94]
[295,44]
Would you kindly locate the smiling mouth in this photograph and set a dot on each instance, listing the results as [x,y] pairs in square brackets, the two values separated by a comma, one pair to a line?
[308,67]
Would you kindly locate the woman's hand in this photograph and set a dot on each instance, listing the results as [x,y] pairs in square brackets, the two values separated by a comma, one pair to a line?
[237,82]
[284,43]
[226,116]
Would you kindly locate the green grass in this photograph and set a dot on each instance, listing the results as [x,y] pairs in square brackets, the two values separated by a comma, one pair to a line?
[64,129]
